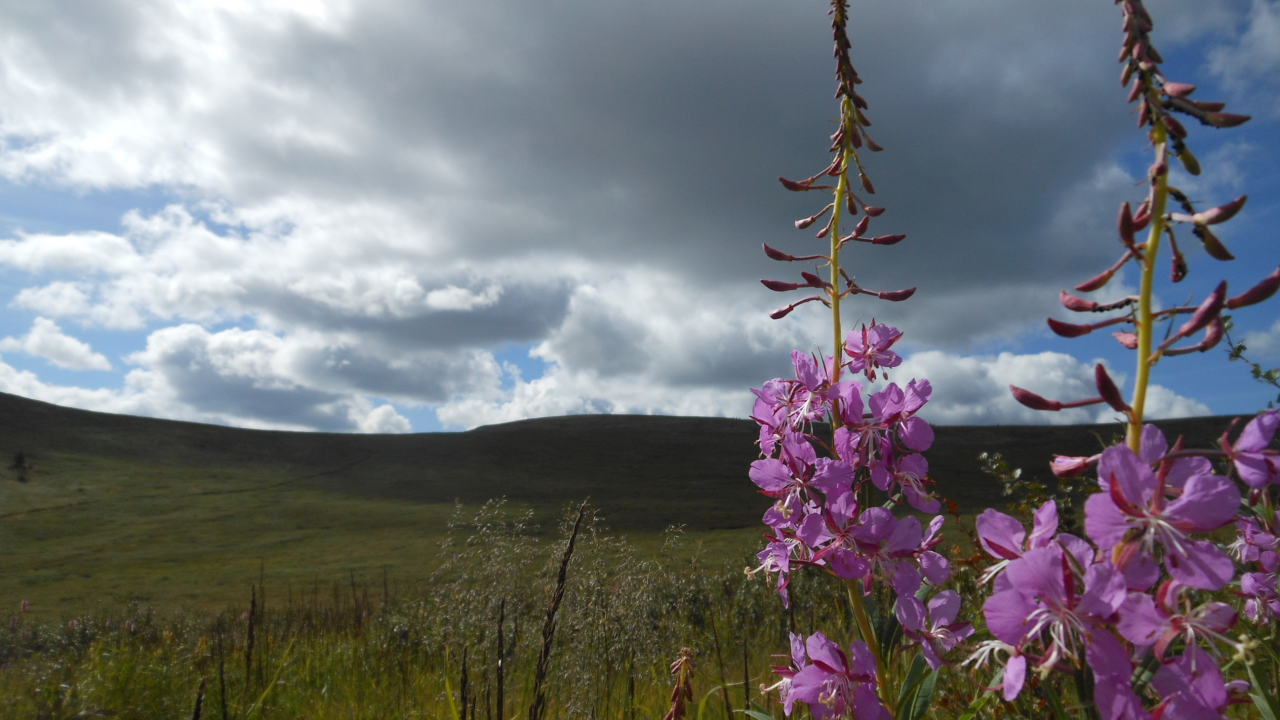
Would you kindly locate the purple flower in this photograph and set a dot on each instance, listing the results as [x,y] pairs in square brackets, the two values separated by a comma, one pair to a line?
[789,477]
[869,349]
[889,546]
[1113,693]
[859,439]
[1255,464]
[1263,601]
[1135,513]
[776,558]
[1006,540]
[1257,543]
[836,682]
[907,472]
[835,526]
[1158,621]
[788,673]
[942,633]
[1192,687]
[1042,599]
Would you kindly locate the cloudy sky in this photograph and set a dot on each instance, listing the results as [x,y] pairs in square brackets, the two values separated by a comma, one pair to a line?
[395,215]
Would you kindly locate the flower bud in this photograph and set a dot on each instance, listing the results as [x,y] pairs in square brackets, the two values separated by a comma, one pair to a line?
[1212,337]
[814,281]
[1078,304]
[1189,162]
[792,185]
[1175,128]
[1108,390]
[1224,120]
[1142,215]
[782,312]
[1209,106]
[779,286]
[1177,89]
[1135,90]
[1127,339]
[1257,293]
[778,255]
[1034,401]
[871,144]
[861,227]
[806,222]
[1125,225]
[866,183]
[896,295]
[1212,244]
[1206,313]
[1068,467]
[887,239]
[872,210]
[1096,281]
[1220,214]
[1068,330]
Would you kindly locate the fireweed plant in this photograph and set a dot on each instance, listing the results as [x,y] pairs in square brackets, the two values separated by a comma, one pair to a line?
[1156,613]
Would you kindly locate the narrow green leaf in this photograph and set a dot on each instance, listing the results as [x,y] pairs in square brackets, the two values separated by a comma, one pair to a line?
[924,696]
[978,705]
[756,714]
[1263,698]
[1055,702]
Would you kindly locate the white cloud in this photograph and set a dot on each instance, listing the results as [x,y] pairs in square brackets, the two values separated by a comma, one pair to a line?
[46,340]
[1254,57]
[1263,345]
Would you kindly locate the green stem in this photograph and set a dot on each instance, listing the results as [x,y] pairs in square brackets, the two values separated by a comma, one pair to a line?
[869,637]
[1146,324]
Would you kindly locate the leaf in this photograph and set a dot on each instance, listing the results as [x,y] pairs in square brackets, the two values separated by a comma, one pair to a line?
[978,705]
[1263,698]
[756,714]
[1055,702]
[917,690]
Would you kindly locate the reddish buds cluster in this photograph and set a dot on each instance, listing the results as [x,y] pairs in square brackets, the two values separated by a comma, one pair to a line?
[1108,393]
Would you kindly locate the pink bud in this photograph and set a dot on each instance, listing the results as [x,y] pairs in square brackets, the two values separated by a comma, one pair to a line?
[1212,244]
[1134,91]
[866,183]
[793,186]
[1175,127]
[1068,329]
[888,239]
[871,144]
[778,254]
[814,281]
[1224,120]
[1067,467]
[1078,304]
[1034,401]
[1124,224]
[896,295]
[1127,339]
[872,210]
[861,227]
[1177,89]
[1257,293]
[1209,106]
[1212,337]
[1220,214]
[1096,281]
[1142,215]
[1108,390]
[1206,313]
[806,222]
[779,286]
[782,312]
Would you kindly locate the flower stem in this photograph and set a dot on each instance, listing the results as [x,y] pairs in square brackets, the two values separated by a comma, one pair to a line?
[869,637]
[1146,324]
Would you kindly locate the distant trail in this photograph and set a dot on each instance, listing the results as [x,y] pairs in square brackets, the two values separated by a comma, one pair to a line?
[368,456]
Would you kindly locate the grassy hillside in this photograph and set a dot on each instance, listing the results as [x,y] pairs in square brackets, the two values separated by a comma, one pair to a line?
[115,509]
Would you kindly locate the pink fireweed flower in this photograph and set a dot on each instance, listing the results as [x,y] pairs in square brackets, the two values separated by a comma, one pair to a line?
[942,633]
[833,530]
[776,558]
[836,682]
[1254,462]
[1045,600]
[1135,514]
[1263,598]
[908,473]
[790,478]
[1112,673]
[1158,621]
[1005,539]
[1257,543]
[1192,687]
[892,409]
[898,551]
[868,349]
[788,672]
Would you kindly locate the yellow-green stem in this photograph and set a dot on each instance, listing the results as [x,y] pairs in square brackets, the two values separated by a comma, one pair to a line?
[1146,324]
[869,637]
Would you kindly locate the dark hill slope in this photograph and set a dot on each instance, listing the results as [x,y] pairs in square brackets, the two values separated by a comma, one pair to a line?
[644,472]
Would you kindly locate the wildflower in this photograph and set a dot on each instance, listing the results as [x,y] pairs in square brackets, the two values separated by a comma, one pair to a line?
[1256,465]
[1135,513]
[907,472]
[1192,687]
[798,663]
[1159,621]
[869,349]
[1113,693]
[836,682]
[942,633]
[1263,601]
[1005,539]
[833,530]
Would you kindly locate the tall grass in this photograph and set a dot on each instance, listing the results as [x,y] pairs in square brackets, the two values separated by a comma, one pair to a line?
[356,649]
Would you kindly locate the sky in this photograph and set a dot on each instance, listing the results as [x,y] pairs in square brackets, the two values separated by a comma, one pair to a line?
[424,215]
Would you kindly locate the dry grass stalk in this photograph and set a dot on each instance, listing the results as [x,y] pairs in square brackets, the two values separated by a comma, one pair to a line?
[539,706]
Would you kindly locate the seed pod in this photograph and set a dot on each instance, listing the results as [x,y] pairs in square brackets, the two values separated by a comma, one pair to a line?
[1257,293]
